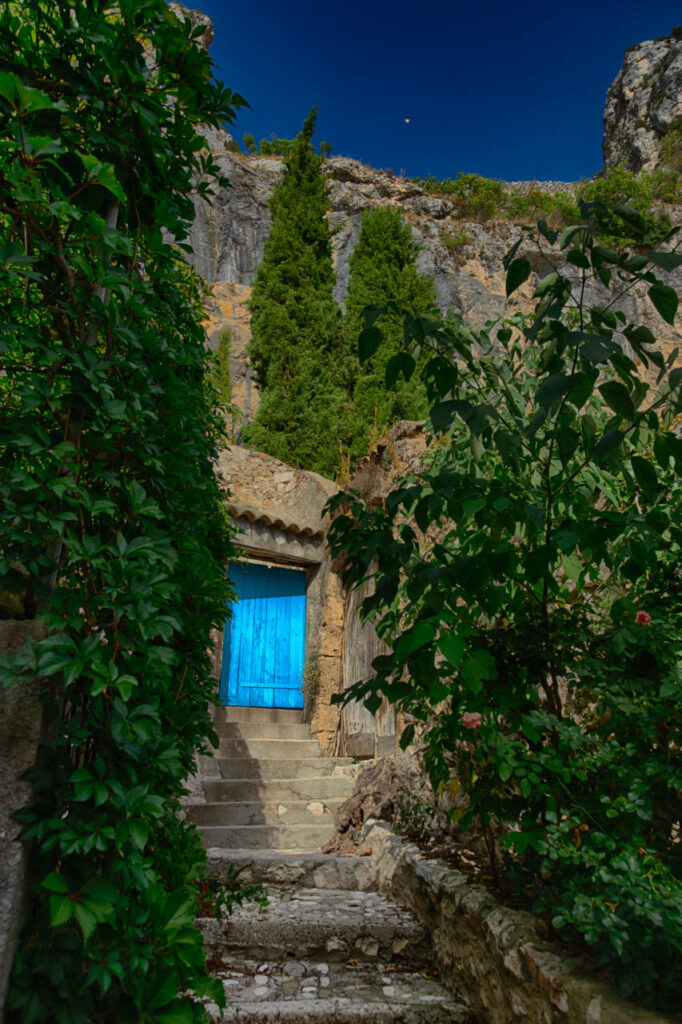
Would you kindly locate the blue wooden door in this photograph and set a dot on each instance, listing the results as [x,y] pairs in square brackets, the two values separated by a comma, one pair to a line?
[264,640]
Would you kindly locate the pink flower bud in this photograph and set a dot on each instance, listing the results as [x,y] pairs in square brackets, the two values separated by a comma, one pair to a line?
[471,719]
[642,618]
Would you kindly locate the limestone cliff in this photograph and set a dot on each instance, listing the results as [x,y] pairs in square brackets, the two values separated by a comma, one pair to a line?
[464,258]
[643,103]
[228,240]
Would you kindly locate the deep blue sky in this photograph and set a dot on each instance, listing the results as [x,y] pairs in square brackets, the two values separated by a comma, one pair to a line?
[509,90]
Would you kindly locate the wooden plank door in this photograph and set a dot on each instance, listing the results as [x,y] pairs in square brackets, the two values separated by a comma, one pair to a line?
[264,640]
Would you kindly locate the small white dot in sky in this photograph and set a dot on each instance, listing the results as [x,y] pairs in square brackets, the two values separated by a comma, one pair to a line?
[407,120]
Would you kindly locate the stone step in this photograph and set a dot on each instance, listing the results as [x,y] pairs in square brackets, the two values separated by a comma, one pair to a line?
[293,812]
[302,991]
[331,925]
[278,790]
[277,767]
[257,748]
[263,730]
[268,837]
[307,870]
[280,716]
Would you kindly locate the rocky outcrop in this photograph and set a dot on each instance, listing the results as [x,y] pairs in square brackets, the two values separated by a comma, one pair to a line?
[464,258]
[643,103]
[196,18]
[228,237]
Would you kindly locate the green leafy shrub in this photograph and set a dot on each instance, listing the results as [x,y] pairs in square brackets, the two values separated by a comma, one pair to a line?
[558,207]
[476,198]
[670,152]
[640,192]
[110,511]
[455,241]
[527,585]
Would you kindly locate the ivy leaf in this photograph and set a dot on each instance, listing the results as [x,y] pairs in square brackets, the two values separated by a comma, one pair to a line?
[86,919]
[518,272]
[665,300]
[55,882]
[61,910]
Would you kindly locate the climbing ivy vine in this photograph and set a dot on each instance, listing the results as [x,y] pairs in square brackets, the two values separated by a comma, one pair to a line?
[113,526]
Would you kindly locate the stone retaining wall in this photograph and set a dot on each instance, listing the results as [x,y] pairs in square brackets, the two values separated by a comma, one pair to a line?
[493,958]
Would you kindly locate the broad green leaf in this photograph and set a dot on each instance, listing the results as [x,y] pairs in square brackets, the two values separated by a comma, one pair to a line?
[371,314]
[401,364]
[452,648]
[407,736]
[611,440]
[646,477]
[665,300]
[368,342]
[554,388]
[478,668]
[665,260]
[518,272]
[443,414]
[618,398]
[419,635]
[181,1015]
[181,912]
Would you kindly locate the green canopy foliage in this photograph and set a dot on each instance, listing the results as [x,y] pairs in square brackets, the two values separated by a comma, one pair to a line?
[295,325]
[114,530]
[382,271]
[527,585]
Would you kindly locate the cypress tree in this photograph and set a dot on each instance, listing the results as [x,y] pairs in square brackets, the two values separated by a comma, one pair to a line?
[296,323]
[383,269]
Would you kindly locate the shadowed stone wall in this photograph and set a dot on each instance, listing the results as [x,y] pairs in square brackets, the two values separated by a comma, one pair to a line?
[20,730]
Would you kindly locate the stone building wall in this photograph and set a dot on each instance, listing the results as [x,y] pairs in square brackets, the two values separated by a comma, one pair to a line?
[21,719]
[279,512]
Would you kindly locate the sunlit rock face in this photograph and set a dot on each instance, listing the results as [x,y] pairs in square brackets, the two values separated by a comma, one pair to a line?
[196,18]
[642,104]
[464,258]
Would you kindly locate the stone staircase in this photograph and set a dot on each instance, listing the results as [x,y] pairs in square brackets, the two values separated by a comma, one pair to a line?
[268,785]
[323,951]
[327,949]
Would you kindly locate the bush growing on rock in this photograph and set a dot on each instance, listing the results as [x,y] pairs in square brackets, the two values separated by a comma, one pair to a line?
[528,585]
